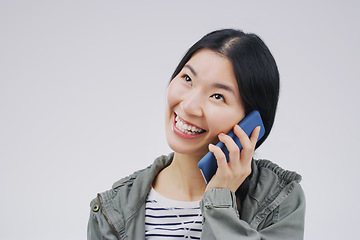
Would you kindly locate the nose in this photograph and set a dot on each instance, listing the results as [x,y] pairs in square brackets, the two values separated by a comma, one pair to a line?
[192,104]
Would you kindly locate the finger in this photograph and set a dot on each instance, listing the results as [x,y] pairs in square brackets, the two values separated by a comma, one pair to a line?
[233,148]
[247,153]
[243,137]
[219,155]
[255,135]
[248,147]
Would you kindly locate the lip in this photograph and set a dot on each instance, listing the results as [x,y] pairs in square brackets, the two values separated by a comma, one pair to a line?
[180,133]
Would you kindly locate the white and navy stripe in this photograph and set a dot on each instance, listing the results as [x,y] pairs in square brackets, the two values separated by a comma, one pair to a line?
[171,219]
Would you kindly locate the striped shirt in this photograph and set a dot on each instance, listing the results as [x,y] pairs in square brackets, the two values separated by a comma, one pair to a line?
[170,219]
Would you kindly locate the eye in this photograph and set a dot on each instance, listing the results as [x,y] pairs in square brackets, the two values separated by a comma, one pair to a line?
[187,79]
[218,96]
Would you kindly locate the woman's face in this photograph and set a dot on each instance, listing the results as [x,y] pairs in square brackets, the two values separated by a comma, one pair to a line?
[202,101]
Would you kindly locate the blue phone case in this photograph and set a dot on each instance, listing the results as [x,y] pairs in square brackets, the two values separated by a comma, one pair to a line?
[208,164]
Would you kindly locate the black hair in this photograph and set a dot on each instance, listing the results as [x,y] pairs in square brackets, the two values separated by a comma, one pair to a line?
[254,67]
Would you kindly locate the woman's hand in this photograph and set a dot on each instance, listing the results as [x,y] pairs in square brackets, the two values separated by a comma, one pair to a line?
[233,173]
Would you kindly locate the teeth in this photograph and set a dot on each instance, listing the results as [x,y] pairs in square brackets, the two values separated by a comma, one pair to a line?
[187,128]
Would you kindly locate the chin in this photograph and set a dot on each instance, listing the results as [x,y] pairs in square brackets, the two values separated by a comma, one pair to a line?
[187,149]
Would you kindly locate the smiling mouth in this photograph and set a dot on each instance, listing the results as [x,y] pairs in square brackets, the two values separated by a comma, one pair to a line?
[186,127]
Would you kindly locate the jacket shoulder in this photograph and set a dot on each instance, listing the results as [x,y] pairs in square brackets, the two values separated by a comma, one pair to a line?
[135,184]
[283,175]
[268,180]
[273,194]
[128,180]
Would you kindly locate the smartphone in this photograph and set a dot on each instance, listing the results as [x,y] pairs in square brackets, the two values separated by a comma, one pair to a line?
[208,164]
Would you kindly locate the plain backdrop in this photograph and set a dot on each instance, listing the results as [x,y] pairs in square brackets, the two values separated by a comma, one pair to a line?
[82,98]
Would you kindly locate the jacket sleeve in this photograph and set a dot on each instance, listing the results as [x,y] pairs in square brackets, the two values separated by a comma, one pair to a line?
[98,227]
[221,218]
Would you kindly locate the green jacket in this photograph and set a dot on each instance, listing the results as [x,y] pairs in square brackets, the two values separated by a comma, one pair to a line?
[274,207]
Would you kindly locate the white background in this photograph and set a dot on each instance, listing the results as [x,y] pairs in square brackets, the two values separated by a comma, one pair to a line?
[82,96]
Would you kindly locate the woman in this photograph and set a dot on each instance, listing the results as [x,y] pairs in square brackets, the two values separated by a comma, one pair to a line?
[222,77]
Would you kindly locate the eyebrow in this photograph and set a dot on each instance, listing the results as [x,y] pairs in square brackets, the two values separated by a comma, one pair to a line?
[224,87]
[191,69]
[215,85]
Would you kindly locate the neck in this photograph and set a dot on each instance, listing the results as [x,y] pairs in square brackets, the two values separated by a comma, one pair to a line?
[181,180]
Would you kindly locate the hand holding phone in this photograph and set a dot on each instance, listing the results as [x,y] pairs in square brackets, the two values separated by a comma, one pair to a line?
[208,164]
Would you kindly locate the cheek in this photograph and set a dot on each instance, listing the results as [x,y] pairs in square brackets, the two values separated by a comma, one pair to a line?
[224,121]
[170,98]
[172,94]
